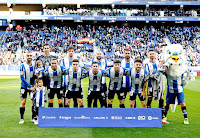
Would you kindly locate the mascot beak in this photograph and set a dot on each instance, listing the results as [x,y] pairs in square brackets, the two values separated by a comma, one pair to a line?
[175,58]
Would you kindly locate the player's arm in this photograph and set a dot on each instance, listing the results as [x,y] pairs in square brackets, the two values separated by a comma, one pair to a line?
[22,72]
[45,95]
[104,81]
[189,77]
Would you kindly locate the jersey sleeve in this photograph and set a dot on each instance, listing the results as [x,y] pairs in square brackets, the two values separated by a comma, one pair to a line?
[83,73]
[126,72]
[107,73]
[146,76]
[22,72]
[109,63]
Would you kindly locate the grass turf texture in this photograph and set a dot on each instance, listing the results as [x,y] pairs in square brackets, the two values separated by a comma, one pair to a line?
[9,117]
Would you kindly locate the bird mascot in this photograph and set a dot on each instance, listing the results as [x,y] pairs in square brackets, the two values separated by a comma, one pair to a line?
[178,74]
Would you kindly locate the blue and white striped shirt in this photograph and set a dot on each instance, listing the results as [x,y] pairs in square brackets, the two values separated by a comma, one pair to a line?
[127,79]
[151,68]
[40,96]
[137,80]
[73,81]
[116,78]
[55,77]
[27,75]
[96,81]
[67,63]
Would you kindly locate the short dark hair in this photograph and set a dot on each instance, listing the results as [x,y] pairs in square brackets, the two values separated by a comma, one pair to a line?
[95,62]
[127,49]
[71,47]
[39,79]
[116,61]
[138,60]
[151,50]
[75,60]
[46,45]
[53,59]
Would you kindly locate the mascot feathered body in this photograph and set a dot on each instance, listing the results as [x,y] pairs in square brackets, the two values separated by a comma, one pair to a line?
[178,74]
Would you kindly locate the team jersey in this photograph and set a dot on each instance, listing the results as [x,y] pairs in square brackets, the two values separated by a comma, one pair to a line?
[27,74]
[45,60]
[39,71]
[73,79]
[55,77]
[40,96]
[151,68]
[116,78]
[67,63]
[103,63]
[96,81]
[127,79]
[137,80]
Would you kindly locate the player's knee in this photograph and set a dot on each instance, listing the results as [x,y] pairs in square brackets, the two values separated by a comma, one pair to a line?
[23,102]
[150,98]
[110,101]
[67,102]
[60,101]
[131,104]
[50,100]
[182,104]
[143,104]
[121,101]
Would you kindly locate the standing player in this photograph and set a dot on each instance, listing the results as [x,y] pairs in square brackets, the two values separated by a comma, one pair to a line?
[55,74]
[67,63]
[139,79]
[73,83]
[103,64]
[46,60]
[27,81]
[151,67]
[116,74]
[96,84]
[128,63]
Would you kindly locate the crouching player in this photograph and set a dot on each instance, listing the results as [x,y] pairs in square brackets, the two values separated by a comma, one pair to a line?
[73,83]
[39,98]
[139,79]
[96,85]
[116,74]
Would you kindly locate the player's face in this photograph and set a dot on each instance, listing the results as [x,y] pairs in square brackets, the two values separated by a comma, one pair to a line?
[117,67]
[29,57]
[54,64]
[71,52]
[46,49]
[138,66]
[95,67]
[98,55]
[152,55]
[127,54]
[75,66]
[40,83]
[40,65]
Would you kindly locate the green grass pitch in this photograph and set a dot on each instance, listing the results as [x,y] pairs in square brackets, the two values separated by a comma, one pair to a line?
[9,117]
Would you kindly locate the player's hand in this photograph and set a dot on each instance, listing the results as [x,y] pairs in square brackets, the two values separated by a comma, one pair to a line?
[143,94]
[32,89]
[37,75]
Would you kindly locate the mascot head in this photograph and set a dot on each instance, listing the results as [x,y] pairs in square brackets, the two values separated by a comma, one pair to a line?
[175,60]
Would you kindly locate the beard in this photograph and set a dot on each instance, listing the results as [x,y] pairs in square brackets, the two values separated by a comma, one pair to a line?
[98,58]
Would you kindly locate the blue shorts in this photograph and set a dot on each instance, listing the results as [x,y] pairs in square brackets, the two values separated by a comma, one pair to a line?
[170,98]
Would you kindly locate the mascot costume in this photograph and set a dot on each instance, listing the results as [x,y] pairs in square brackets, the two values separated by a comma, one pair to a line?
[178,74]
